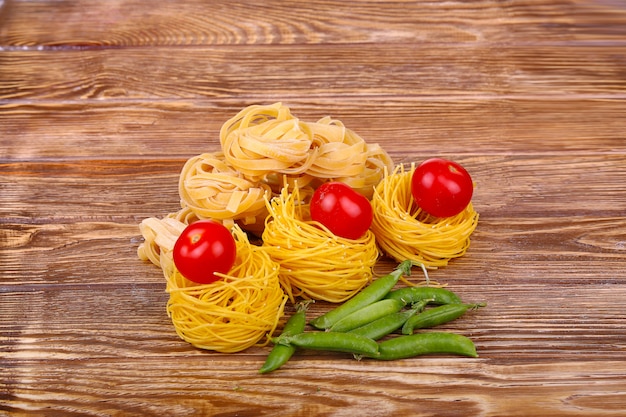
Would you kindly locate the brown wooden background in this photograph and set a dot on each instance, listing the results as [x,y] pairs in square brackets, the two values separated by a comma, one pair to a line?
[101,103]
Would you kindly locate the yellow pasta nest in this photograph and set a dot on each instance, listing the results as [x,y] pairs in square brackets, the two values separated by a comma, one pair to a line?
[314,263]
[230,314]
[404,231]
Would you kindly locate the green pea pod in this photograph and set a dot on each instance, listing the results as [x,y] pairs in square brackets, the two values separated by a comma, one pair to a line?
[418,344]
[281,353]
[384,326]
[437,316]
[333,341]
[366,315]
[410,295]
[370,294]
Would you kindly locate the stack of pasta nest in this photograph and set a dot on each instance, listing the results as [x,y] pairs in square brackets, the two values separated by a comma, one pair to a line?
[259,183]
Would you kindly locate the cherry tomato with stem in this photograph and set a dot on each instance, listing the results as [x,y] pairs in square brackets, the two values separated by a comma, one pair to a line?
[342,210]
[204,248]
[441,187]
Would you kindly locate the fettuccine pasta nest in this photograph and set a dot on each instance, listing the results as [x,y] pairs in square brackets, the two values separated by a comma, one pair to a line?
[314,263]
[268,142]
[210,188]
[229,315]
[264,147]
[404,231]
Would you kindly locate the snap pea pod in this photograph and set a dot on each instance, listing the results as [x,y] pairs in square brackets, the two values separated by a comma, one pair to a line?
[410,295]
[418,344]
[437,316]
[366,315]
[281,353]
[388,324]
[370,294]
[333,341]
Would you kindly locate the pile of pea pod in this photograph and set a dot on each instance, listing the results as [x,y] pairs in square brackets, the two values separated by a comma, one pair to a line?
[357,325]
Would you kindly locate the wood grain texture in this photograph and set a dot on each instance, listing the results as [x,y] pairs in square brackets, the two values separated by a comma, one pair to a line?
[101,103]
[251,70]
[50,130]
[319,388]
[195,22]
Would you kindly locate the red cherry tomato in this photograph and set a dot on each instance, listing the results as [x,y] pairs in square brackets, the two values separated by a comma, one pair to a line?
[442,188]
[203,248]
[342,210]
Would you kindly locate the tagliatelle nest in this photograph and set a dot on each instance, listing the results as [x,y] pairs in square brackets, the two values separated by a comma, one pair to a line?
[405,231]
[211,189]
[262,149]
[314,263]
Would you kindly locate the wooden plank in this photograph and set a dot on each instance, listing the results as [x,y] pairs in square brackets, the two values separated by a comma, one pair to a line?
[195,22]
[427,126]
[90,190]
[345,70]
[319,388]
[94,190]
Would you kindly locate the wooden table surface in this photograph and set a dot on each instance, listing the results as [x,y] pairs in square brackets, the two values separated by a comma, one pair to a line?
[102,102]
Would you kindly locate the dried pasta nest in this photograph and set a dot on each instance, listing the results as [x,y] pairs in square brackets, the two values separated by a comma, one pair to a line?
[262,149]
[210,188]
[314,263]
[404,231]
[230,314]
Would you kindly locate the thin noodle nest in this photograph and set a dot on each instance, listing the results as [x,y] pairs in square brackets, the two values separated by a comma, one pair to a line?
[230,314]
[404,231]
[314,263]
